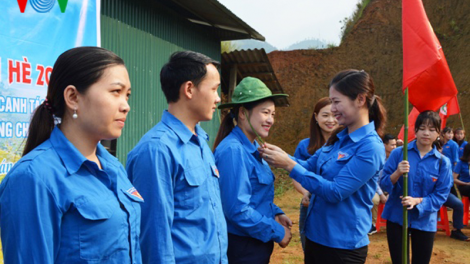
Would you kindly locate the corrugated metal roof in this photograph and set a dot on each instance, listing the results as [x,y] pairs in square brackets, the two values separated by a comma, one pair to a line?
[210,13]
[254,63]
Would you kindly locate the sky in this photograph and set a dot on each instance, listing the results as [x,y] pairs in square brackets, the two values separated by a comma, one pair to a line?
[285,22]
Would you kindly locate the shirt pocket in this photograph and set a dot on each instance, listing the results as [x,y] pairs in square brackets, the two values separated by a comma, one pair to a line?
[428,182]
[193,194]
[102,229]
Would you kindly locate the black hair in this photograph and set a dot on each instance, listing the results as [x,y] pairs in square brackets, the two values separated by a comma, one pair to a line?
[446,130]
[80,67]
[182,67]
[387,137]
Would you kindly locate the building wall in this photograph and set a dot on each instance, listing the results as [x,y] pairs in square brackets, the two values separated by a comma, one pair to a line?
[145,34]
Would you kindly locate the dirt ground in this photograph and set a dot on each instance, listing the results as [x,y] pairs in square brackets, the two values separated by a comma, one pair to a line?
[446,250]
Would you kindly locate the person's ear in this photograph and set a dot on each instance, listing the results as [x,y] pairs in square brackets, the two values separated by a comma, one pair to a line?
[361,100]
[187,89]
[71,98]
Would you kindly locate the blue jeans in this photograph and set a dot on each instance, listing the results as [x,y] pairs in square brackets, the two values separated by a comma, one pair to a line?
[302,218]
[457,206]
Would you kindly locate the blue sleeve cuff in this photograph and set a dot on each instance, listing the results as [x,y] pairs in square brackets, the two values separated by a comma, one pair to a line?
[279,232]
[298,173]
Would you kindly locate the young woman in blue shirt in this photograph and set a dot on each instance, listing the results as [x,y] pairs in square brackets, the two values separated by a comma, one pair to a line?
[246,181]
[461,173]
[449,147]
[451,150]
[342,175]
[429,182]
[322,124]
[459,138]
[67,200]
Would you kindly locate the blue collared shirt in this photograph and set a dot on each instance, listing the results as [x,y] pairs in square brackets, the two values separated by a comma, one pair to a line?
[462,169]
[247,189]
[182,217]
[301,152]
[342,179]
[58,207]
[430,178]
[451,151]
[461,147]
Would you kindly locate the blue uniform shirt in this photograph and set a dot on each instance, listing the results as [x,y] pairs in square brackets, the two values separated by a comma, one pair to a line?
[247,189]
[58,207]
[430,177]
[301,152]
[451,151]
[342,179]
[462,169]
[461,148]
[182,217]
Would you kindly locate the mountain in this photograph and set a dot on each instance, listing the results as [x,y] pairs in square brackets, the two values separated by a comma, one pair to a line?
[308,44]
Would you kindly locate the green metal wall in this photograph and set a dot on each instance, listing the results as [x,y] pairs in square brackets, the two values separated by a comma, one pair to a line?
[145,34]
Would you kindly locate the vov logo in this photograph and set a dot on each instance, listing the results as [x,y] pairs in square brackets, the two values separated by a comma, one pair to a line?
[42,6]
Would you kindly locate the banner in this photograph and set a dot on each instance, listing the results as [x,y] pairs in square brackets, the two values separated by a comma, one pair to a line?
[33,33]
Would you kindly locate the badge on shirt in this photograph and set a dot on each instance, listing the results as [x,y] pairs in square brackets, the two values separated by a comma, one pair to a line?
[434,178]
[447,146]
[132,191]
[342,155]
[216,171]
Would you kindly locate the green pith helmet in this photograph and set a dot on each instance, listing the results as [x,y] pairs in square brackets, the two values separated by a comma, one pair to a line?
[250,90]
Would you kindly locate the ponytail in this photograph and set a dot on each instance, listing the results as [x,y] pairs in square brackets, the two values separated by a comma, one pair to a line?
[226,126]
[378,114]
[40,128]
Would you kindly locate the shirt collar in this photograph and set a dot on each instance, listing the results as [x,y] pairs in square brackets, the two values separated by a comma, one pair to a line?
[180,129]
[251,147]
[71,157]
[68,153]
[359,134]
[412,146]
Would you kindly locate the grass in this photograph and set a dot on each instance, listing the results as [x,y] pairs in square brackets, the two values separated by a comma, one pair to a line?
[349,22]
[282,183]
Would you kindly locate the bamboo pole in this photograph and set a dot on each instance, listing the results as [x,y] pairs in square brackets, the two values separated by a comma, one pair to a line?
[404,249]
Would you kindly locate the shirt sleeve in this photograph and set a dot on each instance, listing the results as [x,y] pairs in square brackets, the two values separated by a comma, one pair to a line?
[311,163]
[389,168]
[433,202]
[30,219]
[277,210]
[235,190]
[455,154]
[361,168]
[150,170]
[458,167]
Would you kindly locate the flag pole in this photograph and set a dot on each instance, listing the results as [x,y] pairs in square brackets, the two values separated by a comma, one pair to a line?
[404,249]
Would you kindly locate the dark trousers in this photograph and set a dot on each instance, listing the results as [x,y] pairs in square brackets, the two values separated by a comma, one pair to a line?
[319,254]
[248,250]
[457,213]
[421,244]
[464,190]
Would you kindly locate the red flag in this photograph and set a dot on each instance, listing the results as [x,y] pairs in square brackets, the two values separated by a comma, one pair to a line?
[451,108]
[411,128]
[425,70]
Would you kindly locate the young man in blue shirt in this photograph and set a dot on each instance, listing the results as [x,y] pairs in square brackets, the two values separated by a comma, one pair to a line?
[174,169]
